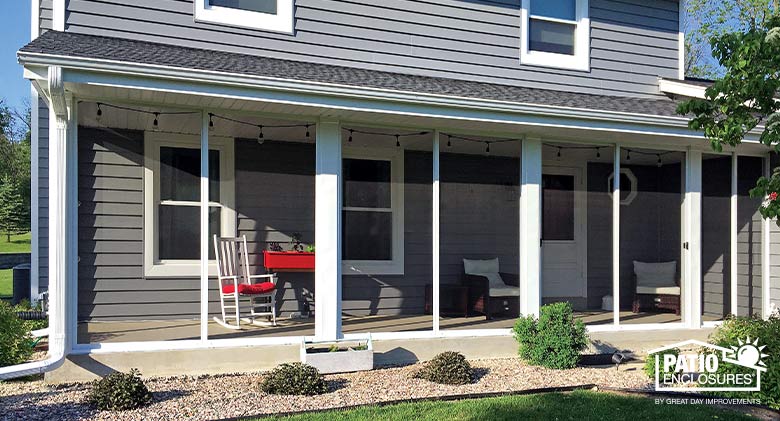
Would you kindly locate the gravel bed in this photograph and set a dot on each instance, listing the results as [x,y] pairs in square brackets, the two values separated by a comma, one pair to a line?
[217,397]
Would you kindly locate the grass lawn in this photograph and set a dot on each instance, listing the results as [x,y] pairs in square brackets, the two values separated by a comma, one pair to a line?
[18,244]
[578,405]
[6,283]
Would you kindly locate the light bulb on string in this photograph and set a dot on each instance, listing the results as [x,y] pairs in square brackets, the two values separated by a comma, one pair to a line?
[598,152]
[211,122]
[487,147]
[156,122]
[307,132]
[559,153]
[449,141]
[99,114]
[659,163]
[351,131]
[260,136]
[397,141]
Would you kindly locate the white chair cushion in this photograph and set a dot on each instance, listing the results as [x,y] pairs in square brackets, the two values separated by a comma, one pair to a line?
[486,268]
[505,291]
[655,274]
[479,267]
[658,290]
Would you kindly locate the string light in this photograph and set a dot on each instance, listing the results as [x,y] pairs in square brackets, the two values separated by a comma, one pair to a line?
[487,147]
[99,115]
[307,132]
[350,135]
[397,141]
[598,152]
[211,122]
[156,123]
[397,136]
[559,153]
[261,136]
[449,141]
[660,163]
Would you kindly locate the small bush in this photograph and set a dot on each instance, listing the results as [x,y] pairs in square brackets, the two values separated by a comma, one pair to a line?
[294,379]
[767,331]
[554,340]
[447,368]
[649,367]
[119,392]
[16,344]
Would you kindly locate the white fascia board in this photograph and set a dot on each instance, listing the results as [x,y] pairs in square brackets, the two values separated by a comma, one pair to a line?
[122,73]
[677,87]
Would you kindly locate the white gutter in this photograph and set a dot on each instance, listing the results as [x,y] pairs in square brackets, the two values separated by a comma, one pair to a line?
[310,87]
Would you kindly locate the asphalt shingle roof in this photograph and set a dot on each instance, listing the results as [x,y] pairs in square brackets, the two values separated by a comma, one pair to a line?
[132,51]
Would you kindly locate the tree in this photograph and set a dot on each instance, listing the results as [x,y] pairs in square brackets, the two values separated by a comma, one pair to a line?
[708,19]
[744,99]
[14,210]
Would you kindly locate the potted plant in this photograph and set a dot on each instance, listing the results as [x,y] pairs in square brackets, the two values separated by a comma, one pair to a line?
[299,259]
[343,356]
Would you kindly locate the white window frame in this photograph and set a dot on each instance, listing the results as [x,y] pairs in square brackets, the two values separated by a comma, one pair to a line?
[581,58]
[282,21]
[153,141]
[396,265]
[633,187]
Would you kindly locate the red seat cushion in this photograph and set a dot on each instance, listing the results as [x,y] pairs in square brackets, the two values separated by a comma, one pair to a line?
[247,289]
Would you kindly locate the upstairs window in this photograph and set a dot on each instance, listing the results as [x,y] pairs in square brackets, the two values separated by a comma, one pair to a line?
[555,33]
[270,15]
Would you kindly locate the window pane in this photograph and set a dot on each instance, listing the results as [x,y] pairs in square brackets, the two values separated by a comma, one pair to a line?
[367,235]
[179,231]
[262,6]
[180,174]
[561,9]
[366,183]
[557,207]
[551,37]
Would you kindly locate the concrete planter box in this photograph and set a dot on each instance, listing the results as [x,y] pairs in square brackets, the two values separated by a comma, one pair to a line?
[352,355]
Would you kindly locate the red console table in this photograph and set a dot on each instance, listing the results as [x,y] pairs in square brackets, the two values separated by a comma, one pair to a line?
[288,261]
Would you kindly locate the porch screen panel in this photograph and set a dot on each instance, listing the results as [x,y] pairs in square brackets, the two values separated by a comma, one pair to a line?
[386,231]
[479,223]
[716,237]
[577,229]
[749,293]
[651,241]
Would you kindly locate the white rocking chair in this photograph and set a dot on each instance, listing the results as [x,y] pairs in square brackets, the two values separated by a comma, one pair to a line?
[235,282]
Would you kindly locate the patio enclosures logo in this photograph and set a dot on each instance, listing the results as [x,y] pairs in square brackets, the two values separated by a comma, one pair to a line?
[709,367]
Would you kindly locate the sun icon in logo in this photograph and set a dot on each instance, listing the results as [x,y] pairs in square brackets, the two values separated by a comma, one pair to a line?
[749,353]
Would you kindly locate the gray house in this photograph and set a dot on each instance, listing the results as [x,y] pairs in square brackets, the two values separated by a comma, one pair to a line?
[419,171]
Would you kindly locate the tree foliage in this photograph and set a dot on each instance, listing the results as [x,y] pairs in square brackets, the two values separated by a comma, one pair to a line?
[15,177]
[707,19]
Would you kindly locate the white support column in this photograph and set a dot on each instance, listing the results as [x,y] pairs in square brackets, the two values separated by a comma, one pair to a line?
[327,235]
[435,230]
[204,226]
[766,260]
[73,220]
[616,237]
[61,215]
[734,231]
[34,196]
[530,227]
[692,281]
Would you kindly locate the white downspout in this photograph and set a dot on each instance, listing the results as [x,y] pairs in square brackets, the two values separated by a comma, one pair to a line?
[62,220]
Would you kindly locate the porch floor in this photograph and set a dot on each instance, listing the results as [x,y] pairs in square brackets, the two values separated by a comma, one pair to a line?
[173,330]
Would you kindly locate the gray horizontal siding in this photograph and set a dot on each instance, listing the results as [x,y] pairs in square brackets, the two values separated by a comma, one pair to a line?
[633,42]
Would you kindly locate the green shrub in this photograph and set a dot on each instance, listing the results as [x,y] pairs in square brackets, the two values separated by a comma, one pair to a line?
[447,368]
[119,392]
[649,367]
[294,379]
[554,340]
[16,344]
[735,329]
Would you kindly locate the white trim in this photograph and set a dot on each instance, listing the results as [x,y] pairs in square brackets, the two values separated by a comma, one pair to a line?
[204,222]
[72,214]
[34,196]
[58,15]
[681,40]
[396,265]
[691,285]
[616,238]
[681,88]
[734,235]
[766,253]
[436,229]
[581,58]
[282,21]
[530,227]
[35,19]
[327,231]
[153,267]
[634,186]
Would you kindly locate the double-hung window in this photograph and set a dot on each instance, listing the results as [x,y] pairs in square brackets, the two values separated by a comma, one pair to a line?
[172,201]
[372,213]
[270,15]
[555,33]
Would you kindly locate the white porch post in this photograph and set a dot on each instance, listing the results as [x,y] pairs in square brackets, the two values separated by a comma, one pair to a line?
[766,262]
[530,227]
[435,231]
[616,237]
[204,226]
[62,215]
[327,235]
[692,280]
[734,230]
